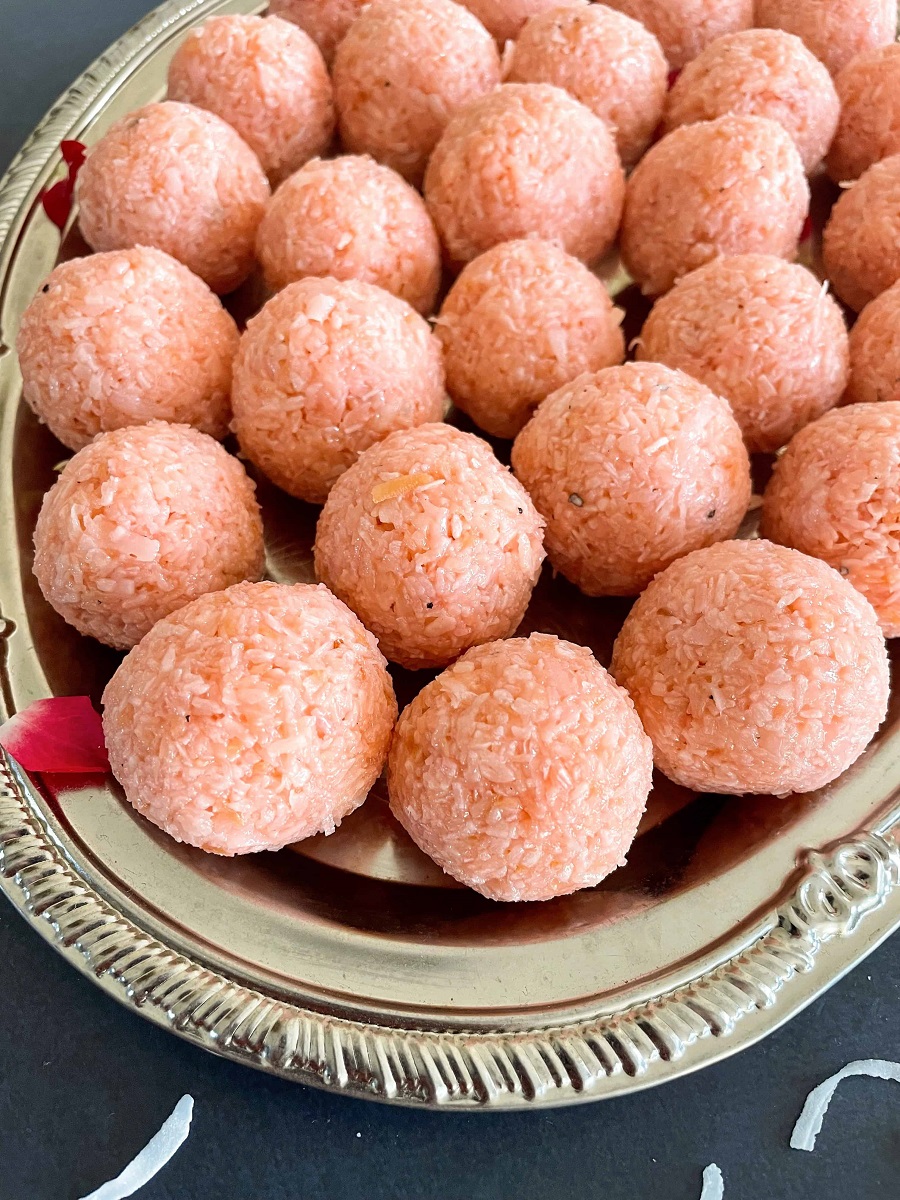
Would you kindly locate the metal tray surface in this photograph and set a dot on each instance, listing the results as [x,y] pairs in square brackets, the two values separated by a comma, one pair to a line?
[351,962]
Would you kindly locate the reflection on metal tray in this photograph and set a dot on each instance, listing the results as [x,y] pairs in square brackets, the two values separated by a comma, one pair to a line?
[351,962]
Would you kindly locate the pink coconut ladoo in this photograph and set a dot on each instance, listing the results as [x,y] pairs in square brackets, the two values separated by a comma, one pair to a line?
[326,21]
[178,178]
[522,770]
[763,73]
[252,718]
[761,332]
[528,160]
[875,350]
[140,522]
[122,338]
[693,197]
[861,240]
[521,320]
[686,27]
[325,370]
[504,19]
[404,68]
[432,543]
[869,128]
[267,79]
[351,218]
[835,494]
[603,58]
[754,668]
[631,468]
[836,31]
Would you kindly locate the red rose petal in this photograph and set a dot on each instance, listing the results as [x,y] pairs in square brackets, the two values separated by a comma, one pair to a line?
[62,734]
[673,75]
[57,199]
[72,152]
[57,202]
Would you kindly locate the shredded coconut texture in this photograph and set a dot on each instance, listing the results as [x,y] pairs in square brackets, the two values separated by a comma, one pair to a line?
[809,1123]
[179,178]
[631,468]
[251,718]
[432,543]
[869,128]
[402,71]
[326,369]
[522,770]
[861,241]
[140,522]
[504,18]
[735,185]
[326,21]
[763,73]
[154,1156]
[528,160]
[761,332]
[606,60]
[267,79]
[713,1183]
[351,218]
[836,31]
[835,494]
[123,338]
[875,350]
[754,668]
[521,320]
[685,27]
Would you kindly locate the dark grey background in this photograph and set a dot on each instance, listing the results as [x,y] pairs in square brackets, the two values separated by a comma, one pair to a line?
[84,1083]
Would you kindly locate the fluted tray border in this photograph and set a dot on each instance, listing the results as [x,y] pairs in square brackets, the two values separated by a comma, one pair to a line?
[843,903]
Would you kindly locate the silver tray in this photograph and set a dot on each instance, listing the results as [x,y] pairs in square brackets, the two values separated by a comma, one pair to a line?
[351,962]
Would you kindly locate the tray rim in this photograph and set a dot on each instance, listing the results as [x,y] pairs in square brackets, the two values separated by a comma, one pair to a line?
[844,903]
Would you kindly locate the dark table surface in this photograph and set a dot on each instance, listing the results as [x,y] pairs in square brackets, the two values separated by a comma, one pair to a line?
[85,1083]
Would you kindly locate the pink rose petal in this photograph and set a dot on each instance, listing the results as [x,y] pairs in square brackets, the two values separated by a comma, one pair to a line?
[62,734]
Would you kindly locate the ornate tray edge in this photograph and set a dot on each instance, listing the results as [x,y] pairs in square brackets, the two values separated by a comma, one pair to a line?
[679,1031]
[674,1033]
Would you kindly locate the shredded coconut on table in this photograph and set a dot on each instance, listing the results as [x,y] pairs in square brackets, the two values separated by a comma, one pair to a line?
[809,1123]
[154,1156]
[713,1183]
